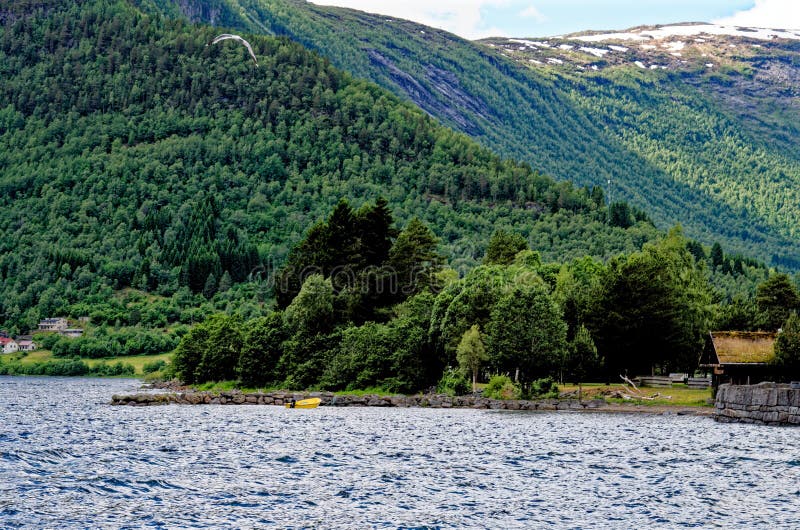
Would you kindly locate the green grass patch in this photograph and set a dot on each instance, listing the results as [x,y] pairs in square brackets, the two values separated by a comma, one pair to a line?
[45,356]
[227,386]
[678,395]
[38,356]
[137,361]
[376,391]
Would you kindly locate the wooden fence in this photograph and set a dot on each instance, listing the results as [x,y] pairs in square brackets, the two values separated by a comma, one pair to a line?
[699,382]
[656,381]
[664,381]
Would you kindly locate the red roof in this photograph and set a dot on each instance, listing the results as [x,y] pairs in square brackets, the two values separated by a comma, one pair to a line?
[5,340]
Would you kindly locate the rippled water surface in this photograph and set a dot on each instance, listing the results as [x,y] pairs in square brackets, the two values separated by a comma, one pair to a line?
[69,460]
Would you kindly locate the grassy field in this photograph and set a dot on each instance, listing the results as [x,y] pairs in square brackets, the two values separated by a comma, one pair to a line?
[43,356]
[39,356]
[137,361]
[678,395]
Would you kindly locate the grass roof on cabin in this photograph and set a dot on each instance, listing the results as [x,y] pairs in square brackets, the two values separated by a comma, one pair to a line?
[735,347]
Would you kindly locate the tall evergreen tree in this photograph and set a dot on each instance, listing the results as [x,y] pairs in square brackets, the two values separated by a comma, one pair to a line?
[787,348]
[414,260]
[503,246]
[717,255]
[376,233]
[777,298]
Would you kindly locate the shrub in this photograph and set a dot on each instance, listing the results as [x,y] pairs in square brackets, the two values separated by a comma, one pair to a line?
[544,388]
[154,366]
[453,383]
[501,387]
[115,369]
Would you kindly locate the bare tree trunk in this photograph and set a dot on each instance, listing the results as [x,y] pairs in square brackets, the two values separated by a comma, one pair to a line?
[474,380]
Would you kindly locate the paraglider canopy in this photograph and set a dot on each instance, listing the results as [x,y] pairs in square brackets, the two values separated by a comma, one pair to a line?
[226,36]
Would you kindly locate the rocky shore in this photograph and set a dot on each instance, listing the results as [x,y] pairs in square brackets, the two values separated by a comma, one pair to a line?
[184,396]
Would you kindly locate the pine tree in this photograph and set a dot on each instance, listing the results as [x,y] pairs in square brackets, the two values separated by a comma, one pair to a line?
[375,232]
[414,259]
[503,247]
[787,348]
[225,283]
[777,298]
[717,255]
[210,287]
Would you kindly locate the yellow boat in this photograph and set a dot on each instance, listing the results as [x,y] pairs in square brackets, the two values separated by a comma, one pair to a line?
[310,403]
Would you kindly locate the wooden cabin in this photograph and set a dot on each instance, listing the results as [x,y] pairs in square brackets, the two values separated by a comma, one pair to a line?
[739,357]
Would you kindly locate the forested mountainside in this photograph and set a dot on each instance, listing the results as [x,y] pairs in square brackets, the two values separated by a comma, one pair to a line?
[713,148]
[133,155]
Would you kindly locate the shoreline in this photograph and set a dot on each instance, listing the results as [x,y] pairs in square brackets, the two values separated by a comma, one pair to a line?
[178,395]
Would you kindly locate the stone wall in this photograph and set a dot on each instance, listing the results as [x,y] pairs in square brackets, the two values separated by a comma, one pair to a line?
[235,397]
[764,403]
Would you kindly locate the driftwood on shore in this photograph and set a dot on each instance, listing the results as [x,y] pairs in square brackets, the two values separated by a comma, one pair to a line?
[636,393]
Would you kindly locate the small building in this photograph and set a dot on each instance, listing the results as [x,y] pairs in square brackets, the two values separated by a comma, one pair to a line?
[9,345]
[71,332]
[53,324]
[739,357]
[26,345]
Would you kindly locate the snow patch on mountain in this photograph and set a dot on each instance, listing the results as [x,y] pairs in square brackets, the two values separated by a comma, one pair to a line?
[597,52]
[692,30]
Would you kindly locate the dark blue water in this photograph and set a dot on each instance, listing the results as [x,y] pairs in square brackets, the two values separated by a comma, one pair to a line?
[69,460]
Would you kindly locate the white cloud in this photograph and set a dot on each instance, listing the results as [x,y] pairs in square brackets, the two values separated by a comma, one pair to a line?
[774,14]
[462,17]
[533,13]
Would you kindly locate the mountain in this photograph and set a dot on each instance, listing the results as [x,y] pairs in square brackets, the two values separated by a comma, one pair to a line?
[715,106]
[712,147]
[133,154]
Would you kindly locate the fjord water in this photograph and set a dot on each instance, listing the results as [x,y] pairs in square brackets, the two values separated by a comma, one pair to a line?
[70,460]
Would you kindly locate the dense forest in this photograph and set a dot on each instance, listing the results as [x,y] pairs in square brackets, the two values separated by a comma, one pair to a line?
[288,224]
[133,155]
[674,144]
[365,306]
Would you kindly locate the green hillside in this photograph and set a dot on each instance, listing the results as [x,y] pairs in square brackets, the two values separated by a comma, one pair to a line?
[133,155]
[679,145]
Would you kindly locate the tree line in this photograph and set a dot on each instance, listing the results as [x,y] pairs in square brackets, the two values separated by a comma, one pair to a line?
[514,314]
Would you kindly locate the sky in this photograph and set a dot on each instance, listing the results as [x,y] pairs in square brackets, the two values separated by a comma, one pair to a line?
[475,19]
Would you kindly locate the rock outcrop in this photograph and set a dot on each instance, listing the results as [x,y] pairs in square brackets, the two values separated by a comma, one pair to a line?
[765,403]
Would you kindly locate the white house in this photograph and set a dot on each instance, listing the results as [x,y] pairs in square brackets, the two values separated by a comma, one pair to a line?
[9,345]
[26,345]
[53,324]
